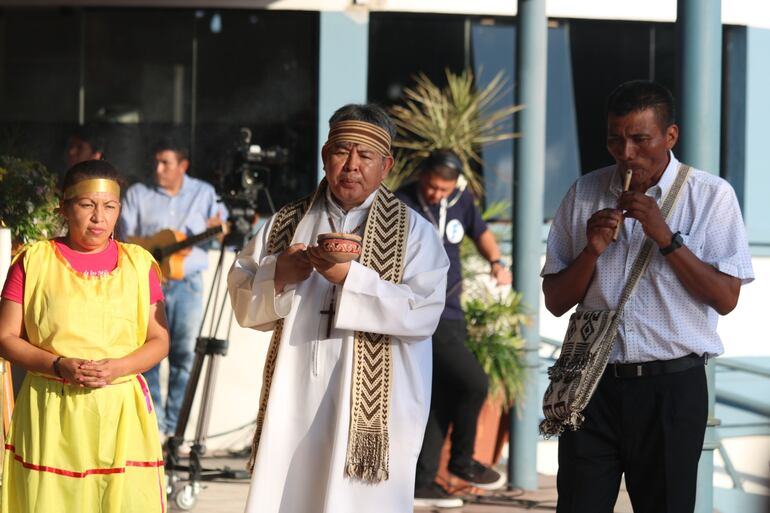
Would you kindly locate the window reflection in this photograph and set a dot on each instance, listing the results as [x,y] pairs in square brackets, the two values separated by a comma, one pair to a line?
[142,74]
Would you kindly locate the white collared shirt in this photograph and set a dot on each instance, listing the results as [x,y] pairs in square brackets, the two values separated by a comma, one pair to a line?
[661,320]
[347,221]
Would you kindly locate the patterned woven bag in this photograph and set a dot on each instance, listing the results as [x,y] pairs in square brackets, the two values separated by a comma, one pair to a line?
[588,342]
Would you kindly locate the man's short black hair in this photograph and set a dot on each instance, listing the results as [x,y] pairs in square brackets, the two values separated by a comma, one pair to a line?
[443,163]
[369,112]
[172,144]
[92,134]
[638,95]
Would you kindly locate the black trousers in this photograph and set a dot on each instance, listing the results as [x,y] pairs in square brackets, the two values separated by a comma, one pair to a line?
[649,428]
[459,389]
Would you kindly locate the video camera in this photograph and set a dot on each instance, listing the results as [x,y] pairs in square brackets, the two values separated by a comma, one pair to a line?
[246,172]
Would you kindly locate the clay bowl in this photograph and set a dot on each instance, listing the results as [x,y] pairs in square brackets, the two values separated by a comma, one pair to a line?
[340,247]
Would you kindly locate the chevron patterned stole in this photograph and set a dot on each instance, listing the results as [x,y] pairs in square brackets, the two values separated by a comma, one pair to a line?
[384,250]
[286,221]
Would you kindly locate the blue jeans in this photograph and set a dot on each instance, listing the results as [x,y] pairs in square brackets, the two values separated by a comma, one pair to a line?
[184,308]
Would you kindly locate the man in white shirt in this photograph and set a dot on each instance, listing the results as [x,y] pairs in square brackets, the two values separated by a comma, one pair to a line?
[348,373]
[647,418]
[174,200]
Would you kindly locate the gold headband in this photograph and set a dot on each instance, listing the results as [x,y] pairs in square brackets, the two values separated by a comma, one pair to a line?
[360,132]
[92,185]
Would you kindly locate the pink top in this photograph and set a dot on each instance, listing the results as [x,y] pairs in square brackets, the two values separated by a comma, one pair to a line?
[88,263]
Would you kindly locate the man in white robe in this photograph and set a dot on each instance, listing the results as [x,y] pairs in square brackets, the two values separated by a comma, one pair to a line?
[301,462]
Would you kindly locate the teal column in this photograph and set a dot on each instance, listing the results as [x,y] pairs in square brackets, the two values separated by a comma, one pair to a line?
[343,66]
[531,64]
[700,32]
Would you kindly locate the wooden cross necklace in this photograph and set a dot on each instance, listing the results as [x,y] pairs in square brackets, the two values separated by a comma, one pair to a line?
[329,312]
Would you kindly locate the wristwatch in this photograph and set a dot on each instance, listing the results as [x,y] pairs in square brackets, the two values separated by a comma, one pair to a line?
[498,261]
[676,243]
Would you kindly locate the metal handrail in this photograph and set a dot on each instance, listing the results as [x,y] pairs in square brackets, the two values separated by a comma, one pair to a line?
[743,403]
[740,402]
[555,344]
[744,367]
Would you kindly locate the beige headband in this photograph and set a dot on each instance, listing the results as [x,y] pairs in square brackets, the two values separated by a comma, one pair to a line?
[360,132]
[92,185]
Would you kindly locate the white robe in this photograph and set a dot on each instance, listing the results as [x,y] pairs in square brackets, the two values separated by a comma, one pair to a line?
[301,458]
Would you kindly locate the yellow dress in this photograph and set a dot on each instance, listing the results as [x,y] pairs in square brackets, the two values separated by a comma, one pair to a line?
[71,449]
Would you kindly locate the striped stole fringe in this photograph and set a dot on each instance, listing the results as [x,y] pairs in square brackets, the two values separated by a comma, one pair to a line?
[384,250]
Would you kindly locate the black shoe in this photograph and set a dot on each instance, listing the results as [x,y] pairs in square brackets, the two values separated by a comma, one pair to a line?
[433,496]
[478,475]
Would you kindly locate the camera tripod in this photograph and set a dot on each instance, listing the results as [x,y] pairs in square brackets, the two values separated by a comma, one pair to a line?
[208,350]
[184,492]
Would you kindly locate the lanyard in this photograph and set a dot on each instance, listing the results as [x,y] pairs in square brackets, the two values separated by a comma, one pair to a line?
[440,226]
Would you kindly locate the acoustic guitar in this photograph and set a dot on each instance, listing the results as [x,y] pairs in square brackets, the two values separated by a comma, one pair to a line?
[170,248]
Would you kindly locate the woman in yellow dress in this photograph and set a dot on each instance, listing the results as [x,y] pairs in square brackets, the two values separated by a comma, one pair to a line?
[84,316]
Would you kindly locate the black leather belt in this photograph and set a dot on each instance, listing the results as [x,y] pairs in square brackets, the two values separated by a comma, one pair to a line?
[656,368]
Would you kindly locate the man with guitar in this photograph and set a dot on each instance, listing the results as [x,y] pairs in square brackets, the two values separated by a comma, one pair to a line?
[168,217]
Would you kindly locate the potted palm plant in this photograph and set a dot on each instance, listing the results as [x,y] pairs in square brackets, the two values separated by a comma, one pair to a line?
[494,317]
[460,117]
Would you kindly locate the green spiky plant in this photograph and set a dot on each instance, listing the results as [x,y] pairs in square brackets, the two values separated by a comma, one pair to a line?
[494,321]
[494,337]
[457,117]
[460,117]
[28,200]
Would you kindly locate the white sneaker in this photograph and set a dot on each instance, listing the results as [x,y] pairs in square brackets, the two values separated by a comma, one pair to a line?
[434,496]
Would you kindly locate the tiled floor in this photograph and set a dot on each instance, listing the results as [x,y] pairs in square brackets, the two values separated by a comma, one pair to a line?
[230,497]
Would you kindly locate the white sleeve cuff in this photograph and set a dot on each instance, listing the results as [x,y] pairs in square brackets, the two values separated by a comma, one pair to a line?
[264,283]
